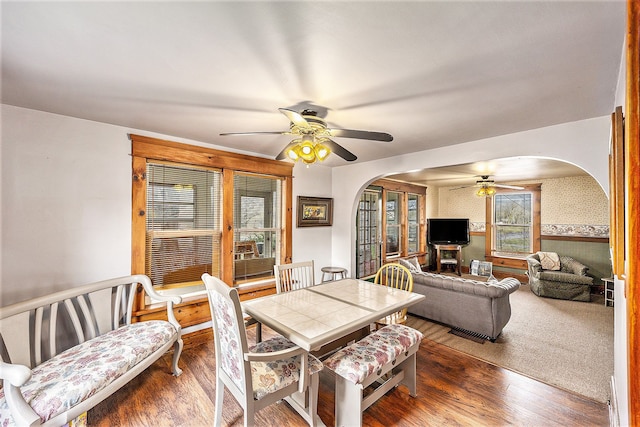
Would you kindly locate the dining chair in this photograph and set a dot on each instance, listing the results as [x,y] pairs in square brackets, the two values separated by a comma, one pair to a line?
[396,276]
[293,276]
[262,374]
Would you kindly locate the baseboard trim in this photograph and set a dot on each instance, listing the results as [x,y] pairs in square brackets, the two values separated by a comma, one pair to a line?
[614,418]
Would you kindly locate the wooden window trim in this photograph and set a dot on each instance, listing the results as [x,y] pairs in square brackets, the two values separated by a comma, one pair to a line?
[145,149]
[405,189]
[505,260]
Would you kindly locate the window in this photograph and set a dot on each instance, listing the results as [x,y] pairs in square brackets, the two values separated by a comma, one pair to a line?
[512,223]
[181,228]
[413,223]
[368,220]
[391,224]
[393,214]
[257,225]
[514,218]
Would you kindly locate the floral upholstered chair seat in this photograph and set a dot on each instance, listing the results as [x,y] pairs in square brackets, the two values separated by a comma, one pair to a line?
[275,375]
[80,372]
[361,359]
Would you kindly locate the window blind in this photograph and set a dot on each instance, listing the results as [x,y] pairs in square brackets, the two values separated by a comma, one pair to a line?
[183,223]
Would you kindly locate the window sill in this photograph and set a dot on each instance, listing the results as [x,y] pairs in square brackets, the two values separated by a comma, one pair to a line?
[508,260]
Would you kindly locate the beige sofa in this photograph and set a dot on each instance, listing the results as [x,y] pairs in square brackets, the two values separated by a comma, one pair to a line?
[482,308]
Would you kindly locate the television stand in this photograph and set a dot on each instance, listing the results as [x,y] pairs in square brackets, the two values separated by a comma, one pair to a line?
[453,257]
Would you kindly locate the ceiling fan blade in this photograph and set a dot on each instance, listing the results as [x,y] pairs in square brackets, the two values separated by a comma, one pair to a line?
[361,134]
[255,133]
[460,188]
[295,118]
[283,154]
[510,187]
[339,150]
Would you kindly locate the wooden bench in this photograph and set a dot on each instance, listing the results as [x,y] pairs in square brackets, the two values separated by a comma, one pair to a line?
[66,352]
[384,359]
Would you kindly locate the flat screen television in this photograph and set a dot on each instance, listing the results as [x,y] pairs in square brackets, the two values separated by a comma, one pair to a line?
[448,231]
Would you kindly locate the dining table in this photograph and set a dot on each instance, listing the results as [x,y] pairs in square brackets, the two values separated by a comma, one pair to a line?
[318,315]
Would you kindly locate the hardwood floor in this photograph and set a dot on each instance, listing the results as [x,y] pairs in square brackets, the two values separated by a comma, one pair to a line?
[453,389]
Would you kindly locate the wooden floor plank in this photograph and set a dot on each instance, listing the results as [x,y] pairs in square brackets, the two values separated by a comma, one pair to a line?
[453,389]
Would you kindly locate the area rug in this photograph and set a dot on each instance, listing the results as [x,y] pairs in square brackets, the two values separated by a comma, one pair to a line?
[567,344]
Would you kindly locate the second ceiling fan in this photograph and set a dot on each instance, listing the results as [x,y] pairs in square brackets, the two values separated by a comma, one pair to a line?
[313,138]
[487,187]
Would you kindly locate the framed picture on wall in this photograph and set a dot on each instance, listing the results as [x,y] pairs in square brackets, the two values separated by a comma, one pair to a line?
[314,211]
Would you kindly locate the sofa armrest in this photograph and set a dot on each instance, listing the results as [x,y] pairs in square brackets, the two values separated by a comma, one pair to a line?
[534,267]
[170,300]
[570,265]
[508,285]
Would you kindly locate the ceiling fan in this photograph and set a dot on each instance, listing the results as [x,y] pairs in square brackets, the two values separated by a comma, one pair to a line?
[313,138]
[487,187]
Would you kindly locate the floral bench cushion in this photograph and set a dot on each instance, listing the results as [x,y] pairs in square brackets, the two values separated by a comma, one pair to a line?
[359,360]
[272,376]
[72,376]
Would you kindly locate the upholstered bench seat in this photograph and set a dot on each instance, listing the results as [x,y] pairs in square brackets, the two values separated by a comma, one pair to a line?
[363,358]
[275,375]
[390,350]
[72,376]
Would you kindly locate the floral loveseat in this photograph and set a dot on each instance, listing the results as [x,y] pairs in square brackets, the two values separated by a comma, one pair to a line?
[102,349]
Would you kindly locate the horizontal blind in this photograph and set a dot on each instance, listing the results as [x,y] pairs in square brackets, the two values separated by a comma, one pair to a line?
[183,223]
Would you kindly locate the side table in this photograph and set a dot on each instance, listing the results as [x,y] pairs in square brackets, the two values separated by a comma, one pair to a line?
[455,251]
[608,291]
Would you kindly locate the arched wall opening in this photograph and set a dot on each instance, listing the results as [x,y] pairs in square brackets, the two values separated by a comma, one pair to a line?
[584,144]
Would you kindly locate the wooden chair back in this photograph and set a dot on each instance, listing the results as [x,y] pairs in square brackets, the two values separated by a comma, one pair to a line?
[399,277]
[293,276]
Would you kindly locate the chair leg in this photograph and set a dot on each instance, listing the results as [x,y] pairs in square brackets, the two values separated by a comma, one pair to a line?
[258,332]
[177,351]
[312,391]
[219,400]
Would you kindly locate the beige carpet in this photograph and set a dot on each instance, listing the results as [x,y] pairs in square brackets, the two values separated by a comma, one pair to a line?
[567,344]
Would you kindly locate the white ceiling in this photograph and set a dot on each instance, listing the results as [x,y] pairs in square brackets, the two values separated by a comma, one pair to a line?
[429,73]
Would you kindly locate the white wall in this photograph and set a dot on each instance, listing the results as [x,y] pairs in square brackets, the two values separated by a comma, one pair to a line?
[66,203]
[311,243]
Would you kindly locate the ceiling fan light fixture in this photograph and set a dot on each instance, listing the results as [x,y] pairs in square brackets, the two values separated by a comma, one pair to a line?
[292,153]
[322,151]
[485,191]
[307,152]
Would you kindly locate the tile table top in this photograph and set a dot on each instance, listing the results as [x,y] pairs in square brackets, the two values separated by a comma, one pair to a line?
[314,316]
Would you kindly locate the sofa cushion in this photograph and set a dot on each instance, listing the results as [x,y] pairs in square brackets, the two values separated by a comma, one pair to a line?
[559,276]
[549,260]
[72,376]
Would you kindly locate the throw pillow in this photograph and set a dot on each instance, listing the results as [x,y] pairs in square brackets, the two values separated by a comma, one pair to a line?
[549,260]
[415,263]
[410,265]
